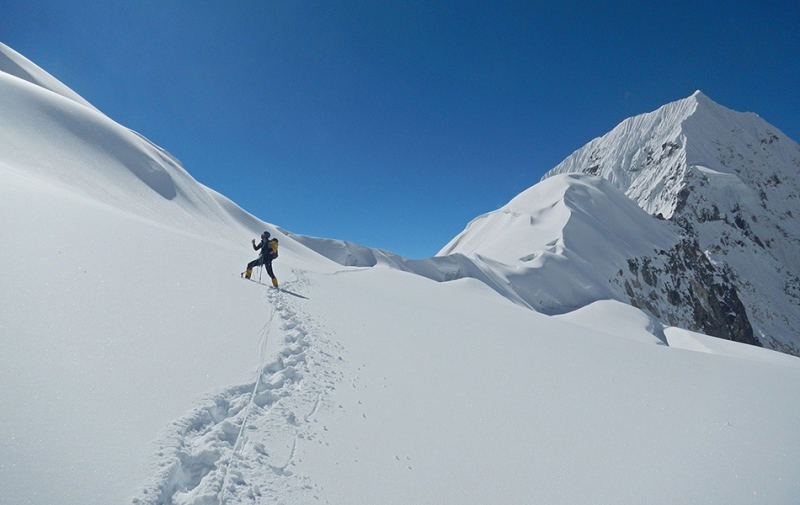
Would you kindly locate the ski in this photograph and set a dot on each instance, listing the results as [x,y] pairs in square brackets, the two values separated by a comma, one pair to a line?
[257,281]
[282,290]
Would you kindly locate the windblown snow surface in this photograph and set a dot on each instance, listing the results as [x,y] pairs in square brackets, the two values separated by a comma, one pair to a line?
[137,367]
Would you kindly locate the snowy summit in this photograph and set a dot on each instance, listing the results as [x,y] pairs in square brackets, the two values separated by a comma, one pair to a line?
[730,181]
[557,351]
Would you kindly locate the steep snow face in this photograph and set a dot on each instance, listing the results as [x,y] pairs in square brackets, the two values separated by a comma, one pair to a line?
[652,156]
[732,182]
[741,201]
[642,156]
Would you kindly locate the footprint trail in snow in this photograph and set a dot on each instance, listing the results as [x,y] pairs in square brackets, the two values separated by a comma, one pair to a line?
[240,446]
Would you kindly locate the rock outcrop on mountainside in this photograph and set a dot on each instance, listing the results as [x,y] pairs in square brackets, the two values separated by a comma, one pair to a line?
[685,288]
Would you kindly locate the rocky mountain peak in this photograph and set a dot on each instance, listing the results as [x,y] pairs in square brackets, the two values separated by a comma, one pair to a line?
[730,181]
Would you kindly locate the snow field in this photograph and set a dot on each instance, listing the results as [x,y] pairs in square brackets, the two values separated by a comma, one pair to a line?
[444,404]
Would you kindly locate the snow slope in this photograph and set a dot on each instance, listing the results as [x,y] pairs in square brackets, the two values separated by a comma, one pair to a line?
[137,367]
[121,300]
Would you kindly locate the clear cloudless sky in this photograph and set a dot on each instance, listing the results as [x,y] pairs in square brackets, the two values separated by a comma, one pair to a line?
[393,123]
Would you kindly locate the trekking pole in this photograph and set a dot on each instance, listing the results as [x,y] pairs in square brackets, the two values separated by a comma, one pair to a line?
[260,271]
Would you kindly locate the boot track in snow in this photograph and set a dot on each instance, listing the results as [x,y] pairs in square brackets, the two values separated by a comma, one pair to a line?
[240,445]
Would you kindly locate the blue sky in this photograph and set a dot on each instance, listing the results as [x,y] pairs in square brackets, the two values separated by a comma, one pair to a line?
[394,123]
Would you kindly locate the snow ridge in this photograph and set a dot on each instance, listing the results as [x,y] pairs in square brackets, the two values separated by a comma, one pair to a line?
[218,452]
[13,63]
[42,120]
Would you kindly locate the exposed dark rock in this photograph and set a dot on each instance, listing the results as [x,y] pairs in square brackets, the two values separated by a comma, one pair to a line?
[692,291]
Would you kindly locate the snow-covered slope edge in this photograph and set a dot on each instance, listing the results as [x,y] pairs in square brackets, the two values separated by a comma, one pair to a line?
[440,269]
[52,137]
[13,63]
[731,182]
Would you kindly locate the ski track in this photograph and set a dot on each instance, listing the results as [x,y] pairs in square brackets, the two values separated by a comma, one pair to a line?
[241,445]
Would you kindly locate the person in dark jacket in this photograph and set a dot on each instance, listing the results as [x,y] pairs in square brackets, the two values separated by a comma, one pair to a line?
[269,251]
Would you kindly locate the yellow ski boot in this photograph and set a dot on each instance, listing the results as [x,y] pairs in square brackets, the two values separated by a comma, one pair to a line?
[275,282]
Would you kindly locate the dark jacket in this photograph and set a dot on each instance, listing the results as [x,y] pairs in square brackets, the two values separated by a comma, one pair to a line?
[266,250]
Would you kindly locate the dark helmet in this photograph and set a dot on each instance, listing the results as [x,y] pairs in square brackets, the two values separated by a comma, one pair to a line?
[265,234]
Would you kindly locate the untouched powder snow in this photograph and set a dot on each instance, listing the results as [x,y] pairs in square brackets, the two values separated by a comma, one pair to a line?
[137,367]
[474,399]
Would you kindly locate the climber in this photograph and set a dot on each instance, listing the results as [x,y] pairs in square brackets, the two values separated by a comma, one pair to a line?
[269,251]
